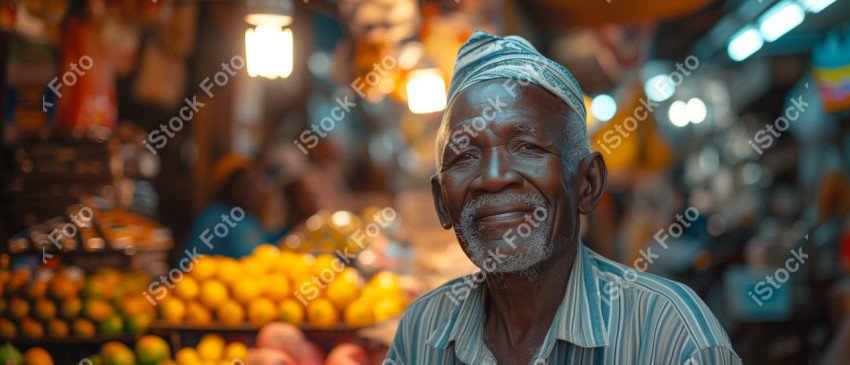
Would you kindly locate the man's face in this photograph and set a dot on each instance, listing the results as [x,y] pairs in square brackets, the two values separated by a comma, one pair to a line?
[504,181]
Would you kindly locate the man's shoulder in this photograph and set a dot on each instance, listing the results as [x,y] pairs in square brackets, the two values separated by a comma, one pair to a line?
[452,292]
[438,304]
[679,303]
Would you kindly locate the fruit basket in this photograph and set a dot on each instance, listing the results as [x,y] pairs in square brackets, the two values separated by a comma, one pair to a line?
[319,294]
[66,305]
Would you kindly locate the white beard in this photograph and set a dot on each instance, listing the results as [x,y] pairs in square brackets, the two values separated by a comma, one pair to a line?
[532,249]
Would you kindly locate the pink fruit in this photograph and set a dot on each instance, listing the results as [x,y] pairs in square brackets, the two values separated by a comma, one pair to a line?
[281,336]
[311,354]
[348,354]
[267,356]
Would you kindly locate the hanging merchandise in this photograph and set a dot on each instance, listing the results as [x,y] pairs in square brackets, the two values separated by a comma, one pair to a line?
[85,86]
[831,64]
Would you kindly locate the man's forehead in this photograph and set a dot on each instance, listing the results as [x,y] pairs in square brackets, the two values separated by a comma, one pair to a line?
[500,99]
[486,92]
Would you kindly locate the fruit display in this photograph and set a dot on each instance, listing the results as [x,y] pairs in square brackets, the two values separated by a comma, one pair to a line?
[148,350]
[214,349]
[283,343]
[273,285]
[66,303]
[9,355]
[341,231]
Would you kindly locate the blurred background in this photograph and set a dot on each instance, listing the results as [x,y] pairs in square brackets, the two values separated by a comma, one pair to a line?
[271,134]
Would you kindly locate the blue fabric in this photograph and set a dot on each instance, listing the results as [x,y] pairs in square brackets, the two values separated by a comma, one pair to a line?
[239,240]
[485,57]
[611,314]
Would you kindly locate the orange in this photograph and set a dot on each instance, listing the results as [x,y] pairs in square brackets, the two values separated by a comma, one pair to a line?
[359,313]
[296,265]
[62,288]
[351,275]
[325,262]
[18,281]
[229,270]
[37,289]
[321,313]
[307,288]
[116,353]
[7,329]
[97,309]
[246,290]
[83,328]
[135,304]
[213,293]
[37,356]
[172,310]
[260,312]
[205,268]
[18,308]
[197,315]
[111,326]
[151,350]
[139,323]
[187,288]
[71,307]
[277,287]
[341,293]
[96,287]
[230,313]
[44,309]
[291,311]
[266,254]
[252,266]
[187,355]
[30,328]
[57,328]
[235,350]
[385,280]
[388,307]
[211,347]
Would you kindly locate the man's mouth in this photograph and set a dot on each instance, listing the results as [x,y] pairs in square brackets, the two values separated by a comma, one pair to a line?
[498,215]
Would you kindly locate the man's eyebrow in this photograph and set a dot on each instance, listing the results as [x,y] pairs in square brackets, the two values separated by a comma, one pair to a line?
[527,129]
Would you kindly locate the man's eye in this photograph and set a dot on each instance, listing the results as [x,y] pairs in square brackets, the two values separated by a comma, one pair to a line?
[525,146]
[465,156]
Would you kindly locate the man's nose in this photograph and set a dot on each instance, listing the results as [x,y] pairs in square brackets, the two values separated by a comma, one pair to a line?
[496,172]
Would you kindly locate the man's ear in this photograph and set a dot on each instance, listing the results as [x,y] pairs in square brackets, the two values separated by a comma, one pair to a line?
[592,174]
[442,212]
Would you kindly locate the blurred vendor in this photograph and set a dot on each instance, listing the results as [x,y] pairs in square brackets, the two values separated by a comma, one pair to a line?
[231,225]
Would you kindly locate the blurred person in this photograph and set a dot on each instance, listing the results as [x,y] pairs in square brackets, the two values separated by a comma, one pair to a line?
[240,192]
[513,152]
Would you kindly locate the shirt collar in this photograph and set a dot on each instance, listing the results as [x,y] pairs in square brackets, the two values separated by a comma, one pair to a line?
[578,321]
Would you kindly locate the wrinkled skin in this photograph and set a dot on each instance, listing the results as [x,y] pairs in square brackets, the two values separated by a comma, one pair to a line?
[523,149]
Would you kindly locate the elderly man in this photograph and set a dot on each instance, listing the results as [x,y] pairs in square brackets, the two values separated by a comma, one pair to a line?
[514,171]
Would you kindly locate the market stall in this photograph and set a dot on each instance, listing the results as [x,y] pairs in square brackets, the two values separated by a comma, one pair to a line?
[240,182]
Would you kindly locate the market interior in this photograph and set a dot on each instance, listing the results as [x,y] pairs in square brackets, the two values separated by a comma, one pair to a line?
[185,182]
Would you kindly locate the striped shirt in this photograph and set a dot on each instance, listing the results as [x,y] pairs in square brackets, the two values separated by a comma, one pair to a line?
[611,314]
